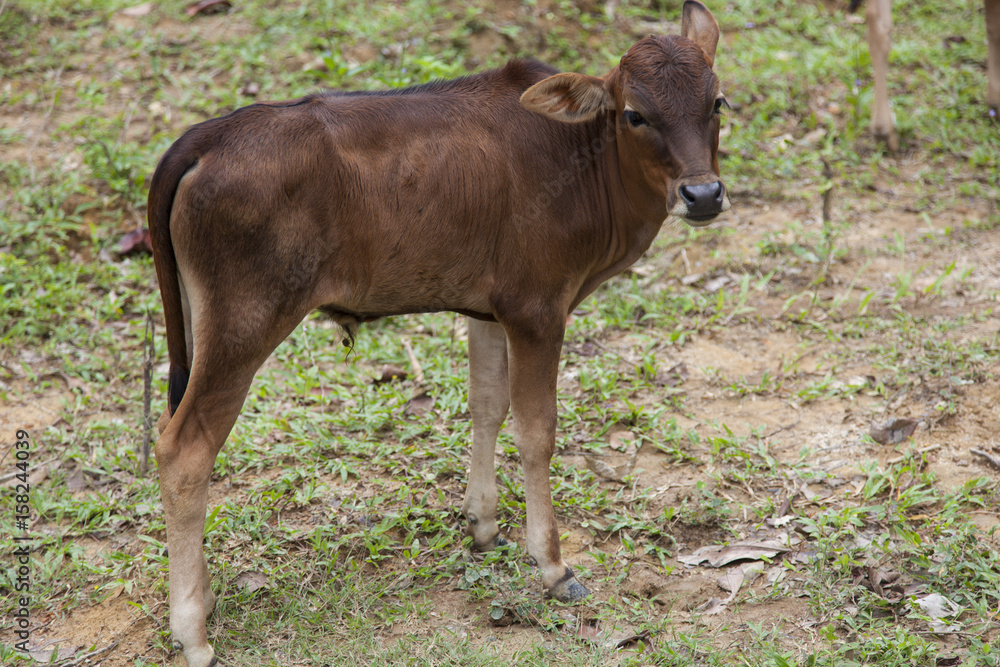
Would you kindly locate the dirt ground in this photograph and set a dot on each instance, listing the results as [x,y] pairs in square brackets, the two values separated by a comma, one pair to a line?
[831,429]
[827,434]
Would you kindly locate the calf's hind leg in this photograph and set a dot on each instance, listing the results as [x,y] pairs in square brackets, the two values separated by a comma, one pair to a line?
[185,452]
[489,401]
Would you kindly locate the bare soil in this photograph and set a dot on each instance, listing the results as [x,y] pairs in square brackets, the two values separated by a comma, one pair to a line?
[830,429]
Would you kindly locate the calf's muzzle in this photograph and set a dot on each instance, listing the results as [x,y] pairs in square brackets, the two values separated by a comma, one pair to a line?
[703,201]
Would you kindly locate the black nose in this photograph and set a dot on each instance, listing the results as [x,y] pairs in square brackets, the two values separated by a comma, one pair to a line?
[704,200]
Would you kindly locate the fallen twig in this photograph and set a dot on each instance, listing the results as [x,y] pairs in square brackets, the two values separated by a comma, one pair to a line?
[418,371]
[994,460]
[51,642]
[80,659]
[827,193]
[783,428]
[897,459]
[11,475]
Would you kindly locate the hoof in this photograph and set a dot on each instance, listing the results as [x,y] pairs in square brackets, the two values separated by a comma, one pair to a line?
[198,658]
[213,662]
[496,543]
[888,139]
[569,589]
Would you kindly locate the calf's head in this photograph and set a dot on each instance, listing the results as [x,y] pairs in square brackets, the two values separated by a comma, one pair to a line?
[666,102]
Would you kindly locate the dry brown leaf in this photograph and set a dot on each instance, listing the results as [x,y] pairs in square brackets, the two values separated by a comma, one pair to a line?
[691,279]
[884,583]
[620,440]
[639,639]
[711,607]
[731,581]
[936,605]
[602,469]
[207,7]
[139,10]
[735,577]
[419,406]
[775,574]
[939,607]
[589,630]
[786,505]
[39,474]
[753,570]
[891,432]
[677,375]
[719,555]
[390,373]
[118,590]
[136,242]
[251,581]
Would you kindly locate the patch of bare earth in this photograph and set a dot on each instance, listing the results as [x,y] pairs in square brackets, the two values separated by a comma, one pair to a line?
[824,434]
[827,434]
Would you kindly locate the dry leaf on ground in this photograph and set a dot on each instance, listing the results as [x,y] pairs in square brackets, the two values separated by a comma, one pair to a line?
[937,607]
[207,7]
[891,432]
[390,372]
[251,581]
[643,638]
[139,10]
[602,469]
[718,555]
[419,405]
[135,242]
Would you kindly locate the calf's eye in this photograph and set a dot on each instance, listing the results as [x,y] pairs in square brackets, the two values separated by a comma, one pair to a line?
[634,118]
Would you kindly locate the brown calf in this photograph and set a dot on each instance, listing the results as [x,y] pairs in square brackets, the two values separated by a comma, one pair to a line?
[878,20]
[508,196]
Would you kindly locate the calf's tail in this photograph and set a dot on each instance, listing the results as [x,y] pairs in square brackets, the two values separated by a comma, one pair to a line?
[162,190]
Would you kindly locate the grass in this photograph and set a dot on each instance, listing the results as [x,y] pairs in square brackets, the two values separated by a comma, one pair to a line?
[333,529]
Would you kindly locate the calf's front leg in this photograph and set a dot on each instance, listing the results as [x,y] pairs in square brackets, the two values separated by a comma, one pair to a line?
[533,356]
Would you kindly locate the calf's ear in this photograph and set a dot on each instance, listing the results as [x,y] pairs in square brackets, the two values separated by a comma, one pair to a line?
[568,97]
[698,25]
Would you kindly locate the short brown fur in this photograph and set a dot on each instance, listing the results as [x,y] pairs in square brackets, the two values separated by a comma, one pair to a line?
[507,195]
